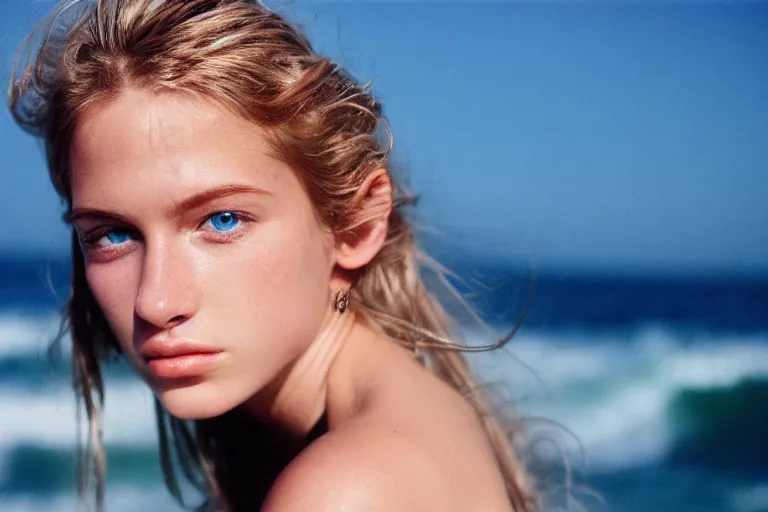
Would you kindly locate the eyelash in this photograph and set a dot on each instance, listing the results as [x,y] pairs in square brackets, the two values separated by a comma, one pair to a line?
[91,237]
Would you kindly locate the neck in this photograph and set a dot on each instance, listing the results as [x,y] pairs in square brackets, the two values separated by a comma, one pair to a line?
[297,400]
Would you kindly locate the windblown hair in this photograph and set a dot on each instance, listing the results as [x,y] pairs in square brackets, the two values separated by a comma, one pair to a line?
[320,121]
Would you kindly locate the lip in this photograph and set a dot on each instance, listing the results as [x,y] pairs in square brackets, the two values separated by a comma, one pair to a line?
[179,367]
[166,347]
[169,358]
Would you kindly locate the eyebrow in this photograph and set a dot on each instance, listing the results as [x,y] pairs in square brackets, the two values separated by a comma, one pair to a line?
[190,203]
[207,196]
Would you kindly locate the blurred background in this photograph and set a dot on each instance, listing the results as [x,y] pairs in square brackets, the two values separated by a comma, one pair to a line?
[617,151]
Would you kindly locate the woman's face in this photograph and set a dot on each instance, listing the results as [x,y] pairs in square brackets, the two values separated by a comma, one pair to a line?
[197,243]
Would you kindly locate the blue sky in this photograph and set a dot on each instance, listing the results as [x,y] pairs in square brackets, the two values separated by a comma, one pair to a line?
[602,134]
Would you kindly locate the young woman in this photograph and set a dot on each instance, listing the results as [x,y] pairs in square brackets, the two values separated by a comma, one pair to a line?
[239,239]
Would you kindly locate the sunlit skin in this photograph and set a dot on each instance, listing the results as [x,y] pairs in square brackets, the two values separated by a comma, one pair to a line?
[215,243]
[192,231]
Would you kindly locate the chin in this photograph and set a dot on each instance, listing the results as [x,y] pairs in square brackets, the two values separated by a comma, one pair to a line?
[196,401]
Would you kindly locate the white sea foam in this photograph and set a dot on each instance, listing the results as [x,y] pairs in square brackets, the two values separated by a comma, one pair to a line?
[50,418]
[614,394]
[26,334]
[612,390]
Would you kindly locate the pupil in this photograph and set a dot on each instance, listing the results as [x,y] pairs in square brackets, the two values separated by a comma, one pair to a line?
[224,221]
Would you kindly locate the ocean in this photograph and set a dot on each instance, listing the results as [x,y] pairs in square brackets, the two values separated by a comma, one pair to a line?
[639,393]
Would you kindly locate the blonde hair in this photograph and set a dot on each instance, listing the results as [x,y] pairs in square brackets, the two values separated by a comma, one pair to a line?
[318,119]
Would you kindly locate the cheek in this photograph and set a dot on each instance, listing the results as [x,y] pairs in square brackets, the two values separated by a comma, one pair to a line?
[276,292]
[113,286]
[301,275]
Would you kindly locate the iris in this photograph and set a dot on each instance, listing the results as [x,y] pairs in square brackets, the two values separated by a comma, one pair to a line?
[224,221]
[115,237]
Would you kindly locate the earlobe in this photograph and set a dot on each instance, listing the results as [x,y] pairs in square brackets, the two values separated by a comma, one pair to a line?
[360,245]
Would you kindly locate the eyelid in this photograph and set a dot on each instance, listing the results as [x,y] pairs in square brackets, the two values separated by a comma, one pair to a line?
[91,236]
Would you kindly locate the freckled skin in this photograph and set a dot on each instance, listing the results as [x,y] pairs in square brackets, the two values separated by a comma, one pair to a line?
[260,295]
[261,291]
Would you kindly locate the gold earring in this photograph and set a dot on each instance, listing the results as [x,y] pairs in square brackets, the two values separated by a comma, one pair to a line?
[342,301]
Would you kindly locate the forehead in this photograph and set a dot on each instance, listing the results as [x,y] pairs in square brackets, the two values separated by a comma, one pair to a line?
[171,142]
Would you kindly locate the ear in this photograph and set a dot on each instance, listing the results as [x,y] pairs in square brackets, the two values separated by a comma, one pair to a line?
[358,247]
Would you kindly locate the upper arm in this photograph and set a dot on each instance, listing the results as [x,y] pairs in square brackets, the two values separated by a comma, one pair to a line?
[367,471]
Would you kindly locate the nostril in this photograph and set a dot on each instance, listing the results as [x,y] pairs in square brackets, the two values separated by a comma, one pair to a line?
[176,320]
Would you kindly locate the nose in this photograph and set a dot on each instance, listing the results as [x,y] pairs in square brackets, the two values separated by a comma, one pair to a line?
[167,294]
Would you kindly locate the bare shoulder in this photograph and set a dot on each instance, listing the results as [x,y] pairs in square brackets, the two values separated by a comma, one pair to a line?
[415,445]
[360,467]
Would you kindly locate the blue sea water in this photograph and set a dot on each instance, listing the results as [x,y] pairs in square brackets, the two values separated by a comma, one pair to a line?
[638,393]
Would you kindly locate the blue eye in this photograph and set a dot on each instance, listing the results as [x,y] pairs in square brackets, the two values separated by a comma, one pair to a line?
[224,221]
[114,237]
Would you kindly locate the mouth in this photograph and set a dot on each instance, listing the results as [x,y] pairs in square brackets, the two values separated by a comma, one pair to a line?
[176,359]
[183,365]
